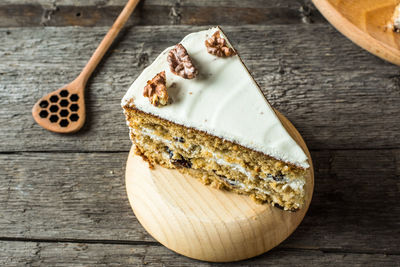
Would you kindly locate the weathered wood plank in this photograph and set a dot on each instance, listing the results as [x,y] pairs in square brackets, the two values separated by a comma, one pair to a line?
[102,13]
[78,254]
[66,195]
[82,196]
[339,96]
[241,3]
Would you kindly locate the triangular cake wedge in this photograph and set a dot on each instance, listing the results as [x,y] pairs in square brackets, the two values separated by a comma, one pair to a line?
[216,125]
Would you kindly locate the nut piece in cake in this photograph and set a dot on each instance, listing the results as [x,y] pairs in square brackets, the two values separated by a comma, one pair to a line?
[156,90]
[216,45]
[180,62]
[396,19]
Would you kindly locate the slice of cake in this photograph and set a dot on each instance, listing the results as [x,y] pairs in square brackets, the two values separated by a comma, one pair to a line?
[197,109]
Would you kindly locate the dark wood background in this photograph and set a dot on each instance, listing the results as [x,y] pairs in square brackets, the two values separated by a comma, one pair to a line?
[62,197]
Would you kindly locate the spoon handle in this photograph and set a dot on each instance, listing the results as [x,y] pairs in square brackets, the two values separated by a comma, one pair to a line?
[106,42]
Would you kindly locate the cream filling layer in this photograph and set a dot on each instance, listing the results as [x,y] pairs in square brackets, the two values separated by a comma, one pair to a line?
[296,184]
[249,188]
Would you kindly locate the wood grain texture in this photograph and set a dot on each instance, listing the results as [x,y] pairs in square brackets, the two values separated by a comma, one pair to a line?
[338,96]
[366,24]
[156,12]
[81,196]
[204,223]
[79,254]
[242,3]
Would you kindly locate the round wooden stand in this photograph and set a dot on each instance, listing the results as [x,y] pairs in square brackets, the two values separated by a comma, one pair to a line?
[204,223]
[365,22]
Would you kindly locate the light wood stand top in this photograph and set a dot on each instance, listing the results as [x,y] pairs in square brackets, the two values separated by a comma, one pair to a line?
[204,223]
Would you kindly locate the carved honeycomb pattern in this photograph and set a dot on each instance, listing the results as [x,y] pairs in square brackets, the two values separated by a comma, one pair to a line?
[60,108]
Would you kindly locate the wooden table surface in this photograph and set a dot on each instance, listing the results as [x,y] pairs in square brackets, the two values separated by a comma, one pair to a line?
[62,197]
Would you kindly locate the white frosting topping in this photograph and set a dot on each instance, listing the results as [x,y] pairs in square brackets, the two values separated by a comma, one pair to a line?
[223,100]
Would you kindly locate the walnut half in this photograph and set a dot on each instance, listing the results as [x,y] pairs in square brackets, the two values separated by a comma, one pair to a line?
[216,45]
[180,62]
[156,90]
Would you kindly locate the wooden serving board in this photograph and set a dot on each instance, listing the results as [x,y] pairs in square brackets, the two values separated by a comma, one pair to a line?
[365,23]
[204,223]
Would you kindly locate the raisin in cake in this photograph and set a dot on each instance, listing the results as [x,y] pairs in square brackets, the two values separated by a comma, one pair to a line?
[197,109]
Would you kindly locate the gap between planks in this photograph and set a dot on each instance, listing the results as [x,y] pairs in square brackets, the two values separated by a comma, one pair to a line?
[79,241]
[65,13]
[150,243]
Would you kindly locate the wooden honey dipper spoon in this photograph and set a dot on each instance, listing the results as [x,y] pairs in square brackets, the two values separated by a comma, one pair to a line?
[63,111]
